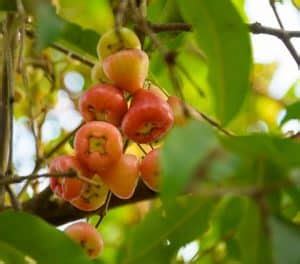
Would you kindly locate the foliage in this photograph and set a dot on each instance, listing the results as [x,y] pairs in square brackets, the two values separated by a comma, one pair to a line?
[230,179]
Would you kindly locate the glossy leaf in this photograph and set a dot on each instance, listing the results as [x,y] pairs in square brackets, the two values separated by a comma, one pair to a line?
[158,237]
[183,151]
[10,255]
[37,239]
[253,239]
[221,33]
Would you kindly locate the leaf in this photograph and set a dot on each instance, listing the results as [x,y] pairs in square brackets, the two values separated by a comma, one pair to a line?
[282,151]
[158,237]
[52,28]
[93,14]
[252,238]
[228,215]
[292,112]
[285,241]
[49,26]
[10,255]
[38,240]
[183,151]
[222,35]
[7,5]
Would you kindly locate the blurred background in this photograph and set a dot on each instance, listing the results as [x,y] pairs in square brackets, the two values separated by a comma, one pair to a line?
[275,83]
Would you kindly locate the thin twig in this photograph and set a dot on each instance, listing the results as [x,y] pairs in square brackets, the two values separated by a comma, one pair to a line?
[175,27]
[119,20]
[141,148]
[47,156]
[285,38]
[13,199]
[31,177]
[105,209]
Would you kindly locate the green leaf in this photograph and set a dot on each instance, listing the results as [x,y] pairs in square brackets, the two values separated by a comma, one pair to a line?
[49,26]
[285,241]
[38,240]
[292,112]
[10,255]
[228,215]
[222,35]
[253,240]
[158,237]
[282,151]
[93,14]
[52,28]
[183,151]
[7,5]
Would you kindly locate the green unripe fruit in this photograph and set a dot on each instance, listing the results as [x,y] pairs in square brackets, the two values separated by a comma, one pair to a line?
[114,41]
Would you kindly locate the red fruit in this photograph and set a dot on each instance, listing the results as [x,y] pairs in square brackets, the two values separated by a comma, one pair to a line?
[122,178]
[103,102]
[98,145]
[150,169]
[87,237]
[127,69]
[67,188]
[92,196]
[149,118]
[178,110]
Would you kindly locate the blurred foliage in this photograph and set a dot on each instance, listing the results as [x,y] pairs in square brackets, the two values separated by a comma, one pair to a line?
[245,206]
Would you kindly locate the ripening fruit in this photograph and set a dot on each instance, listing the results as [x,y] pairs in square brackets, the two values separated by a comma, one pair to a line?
[127,69]
[103,102]
[92,196]
[122,178]
[67,188]
[150,169]
[97,74]
[157,91]
[114,41]
[178,110]
[148,119]
[98,145]
[87,237]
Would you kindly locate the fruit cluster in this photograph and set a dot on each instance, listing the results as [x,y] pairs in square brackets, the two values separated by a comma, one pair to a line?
[117,109]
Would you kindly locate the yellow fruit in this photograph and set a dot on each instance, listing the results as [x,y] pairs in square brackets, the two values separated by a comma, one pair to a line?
[114,41]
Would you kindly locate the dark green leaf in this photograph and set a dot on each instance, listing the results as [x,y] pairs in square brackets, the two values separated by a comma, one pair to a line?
[162,233]
[253,238]
[38,240]
[229,215]
[8,5]
[222,35]
[183,151]
[285,241]
[292,112]
[49,26]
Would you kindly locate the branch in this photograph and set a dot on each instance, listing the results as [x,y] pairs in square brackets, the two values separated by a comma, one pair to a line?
[258,28]
[62,49]
[57,213]
[39,162]
[31,177]
[175,27]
